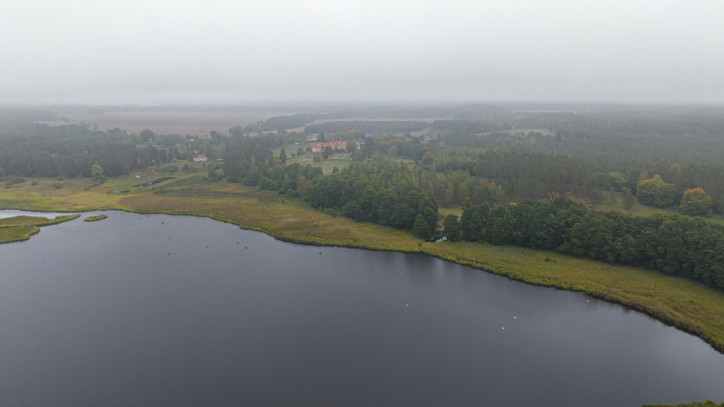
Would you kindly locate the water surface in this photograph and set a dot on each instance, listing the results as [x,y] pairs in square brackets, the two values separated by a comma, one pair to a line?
[149,310]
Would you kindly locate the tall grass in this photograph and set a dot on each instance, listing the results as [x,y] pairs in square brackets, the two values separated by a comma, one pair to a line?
[17,233]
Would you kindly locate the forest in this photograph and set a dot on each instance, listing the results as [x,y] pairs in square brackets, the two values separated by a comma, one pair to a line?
[562,181]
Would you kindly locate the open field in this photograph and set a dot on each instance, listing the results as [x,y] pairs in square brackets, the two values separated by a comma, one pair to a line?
[682,303]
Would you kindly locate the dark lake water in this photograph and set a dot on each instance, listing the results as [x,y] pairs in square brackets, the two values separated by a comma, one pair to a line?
[158,310]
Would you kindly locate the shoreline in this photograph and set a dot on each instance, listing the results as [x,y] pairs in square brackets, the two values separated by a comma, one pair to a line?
[665,298]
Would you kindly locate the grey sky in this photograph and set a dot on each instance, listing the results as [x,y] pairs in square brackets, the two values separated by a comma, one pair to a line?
[211,51]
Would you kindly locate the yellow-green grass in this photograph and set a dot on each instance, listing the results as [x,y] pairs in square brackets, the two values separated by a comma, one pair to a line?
[22,227]
[34,220]
[690,306]
[17,233]
[95,218]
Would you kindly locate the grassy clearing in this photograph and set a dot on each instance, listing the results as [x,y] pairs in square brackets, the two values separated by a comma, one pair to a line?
[338,159]
[443,212]
[643,210]
[690,306]
[614,201]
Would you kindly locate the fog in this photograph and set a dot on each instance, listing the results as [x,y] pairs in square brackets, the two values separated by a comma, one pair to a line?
[180,51]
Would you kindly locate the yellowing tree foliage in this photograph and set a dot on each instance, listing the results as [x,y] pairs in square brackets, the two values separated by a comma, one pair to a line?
[654,191]
[695,202]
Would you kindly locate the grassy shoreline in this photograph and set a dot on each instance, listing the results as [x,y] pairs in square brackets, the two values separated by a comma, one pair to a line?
[687,305]
[20,228]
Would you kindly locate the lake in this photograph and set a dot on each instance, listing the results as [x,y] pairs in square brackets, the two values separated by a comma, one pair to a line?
[159,310]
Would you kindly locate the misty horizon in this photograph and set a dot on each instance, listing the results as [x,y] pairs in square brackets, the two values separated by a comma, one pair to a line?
[371,52]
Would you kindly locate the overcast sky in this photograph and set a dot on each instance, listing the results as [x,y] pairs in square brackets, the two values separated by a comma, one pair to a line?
[211,51]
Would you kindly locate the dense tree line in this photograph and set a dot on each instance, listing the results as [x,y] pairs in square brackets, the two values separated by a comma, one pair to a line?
[672,244]
[385,193]
[39,150]
[521,174]
[251,161]
[685,146]
[530,175]
[392,147]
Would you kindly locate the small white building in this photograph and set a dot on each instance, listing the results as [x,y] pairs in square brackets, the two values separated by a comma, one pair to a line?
[200,157]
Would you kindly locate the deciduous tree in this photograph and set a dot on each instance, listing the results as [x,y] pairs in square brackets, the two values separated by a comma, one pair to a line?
[695,202]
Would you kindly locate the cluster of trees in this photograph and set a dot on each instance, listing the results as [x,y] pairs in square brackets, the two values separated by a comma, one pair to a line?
[654,191]
[530,175]
[684,145]
[695,202]
[521,174]
[385,193]
[673,244]
[69,151]
[394,147]
[247,158]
